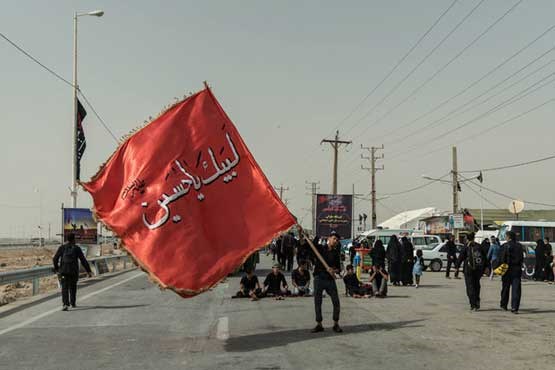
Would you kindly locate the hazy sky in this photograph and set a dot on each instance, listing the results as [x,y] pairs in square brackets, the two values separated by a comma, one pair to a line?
[287,73]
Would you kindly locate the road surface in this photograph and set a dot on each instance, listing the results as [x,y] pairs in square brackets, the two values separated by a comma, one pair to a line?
[126,322]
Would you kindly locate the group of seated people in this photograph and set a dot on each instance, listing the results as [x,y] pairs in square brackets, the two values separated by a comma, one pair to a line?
[275,284]
[376,286]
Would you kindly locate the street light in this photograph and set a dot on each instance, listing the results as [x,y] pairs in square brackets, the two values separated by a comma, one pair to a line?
[94,13]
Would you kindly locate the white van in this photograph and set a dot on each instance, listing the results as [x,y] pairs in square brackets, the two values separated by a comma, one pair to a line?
[420,241]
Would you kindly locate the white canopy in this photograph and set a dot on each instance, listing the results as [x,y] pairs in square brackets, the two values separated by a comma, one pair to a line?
[409,219]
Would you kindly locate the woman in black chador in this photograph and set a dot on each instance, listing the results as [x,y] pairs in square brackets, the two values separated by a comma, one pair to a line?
[394,259]
[407,261]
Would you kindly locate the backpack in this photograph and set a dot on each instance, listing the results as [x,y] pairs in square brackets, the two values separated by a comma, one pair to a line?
[69,260]
[476,259]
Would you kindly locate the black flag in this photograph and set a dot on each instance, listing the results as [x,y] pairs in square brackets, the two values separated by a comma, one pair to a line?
[81,142]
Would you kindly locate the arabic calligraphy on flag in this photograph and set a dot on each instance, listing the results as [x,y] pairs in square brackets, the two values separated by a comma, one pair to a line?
[187,198]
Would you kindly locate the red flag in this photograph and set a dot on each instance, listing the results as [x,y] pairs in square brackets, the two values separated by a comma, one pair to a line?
[187,198]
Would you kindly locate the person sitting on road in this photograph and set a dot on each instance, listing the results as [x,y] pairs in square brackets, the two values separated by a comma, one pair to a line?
[275,284]
[354,287]
[301,280]
[250,287]
[379,278]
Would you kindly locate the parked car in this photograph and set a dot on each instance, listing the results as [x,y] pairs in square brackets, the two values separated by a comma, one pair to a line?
[435,256]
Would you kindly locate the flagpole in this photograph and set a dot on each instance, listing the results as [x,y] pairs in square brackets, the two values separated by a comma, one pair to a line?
[74,118]
[315,250]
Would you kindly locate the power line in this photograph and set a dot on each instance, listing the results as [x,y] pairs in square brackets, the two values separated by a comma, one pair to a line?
[98,117]
[502,123]
[515,98]
[422,37]
[512,165]
[417,187]
[422,61]
[35,60]
[481,196]
[510,197]
[467,88]
[51,71]
[435,74]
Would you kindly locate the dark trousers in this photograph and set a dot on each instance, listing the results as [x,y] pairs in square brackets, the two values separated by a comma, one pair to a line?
[290,259]
[539,270]
[451,261]
[511,280]
[472,281]
[327,284]
[69,289]
[548,270]
[281,259]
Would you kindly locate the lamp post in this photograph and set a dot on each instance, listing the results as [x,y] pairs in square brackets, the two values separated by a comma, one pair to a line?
[96,13]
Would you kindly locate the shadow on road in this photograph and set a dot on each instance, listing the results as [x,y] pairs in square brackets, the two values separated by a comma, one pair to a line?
[535,311]
[271,339]
[85,308]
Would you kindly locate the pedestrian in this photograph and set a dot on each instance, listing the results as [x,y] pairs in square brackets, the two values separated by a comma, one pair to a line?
[407,261]
[324,280]
[279,251]
[474,260]
[550,275]
[352,251]
[485,244]
[303,251]
[540,266]
[289,245]
[513,256]
[418,267]
[494,254]
[353,285]
[66,265]
[451,256]
[394,259]
[275,284]
[378,279]
[249,286]
[301,280]
[378,254]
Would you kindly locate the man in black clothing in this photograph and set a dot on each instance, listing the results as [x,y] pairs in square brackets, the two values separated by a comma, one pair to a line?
[289,243]
[354,287]
[66,265]
[301,279]
[324,279]
[274,282]
[451,256]
[548,259]
[249,287]
[513,255]
[474,261]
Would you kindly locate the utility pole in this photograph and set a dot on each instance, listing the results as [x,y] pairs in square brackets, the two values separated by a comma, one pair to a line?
[335,144]
[373,169]
[455,188]
[281,190]
[314,187]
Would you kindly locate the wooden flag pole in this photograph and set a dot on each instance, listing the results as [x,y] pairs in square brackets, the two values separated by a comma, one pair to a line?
[314,249]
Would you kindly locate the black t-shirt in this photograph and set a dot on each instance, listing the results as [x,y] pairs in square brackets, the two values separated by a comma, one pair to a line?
[274,282]
[332,258]
[300,279]
[249,284]
[351,281]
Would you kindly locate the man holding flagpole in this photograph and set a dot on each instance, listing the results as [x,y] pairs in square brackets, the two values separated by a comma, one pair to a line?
[327,265]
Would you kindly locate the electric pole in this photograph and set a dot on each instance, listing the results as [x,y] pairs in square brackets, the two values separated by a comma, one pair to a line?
[373,169]
[335,144]
[455,189]
[314,187]
[281,190]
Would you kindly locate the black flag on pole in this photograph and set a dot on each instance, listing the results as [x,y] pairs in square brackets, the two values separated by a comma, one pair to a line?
[81,141]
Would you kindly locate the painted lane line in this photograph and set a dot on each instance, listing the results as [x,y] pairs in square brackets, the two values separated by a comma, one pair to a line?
[222,328]
[50,312]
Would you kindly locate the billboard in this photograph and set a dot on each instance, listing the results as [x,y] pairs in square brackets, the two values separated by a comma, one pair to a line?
[80,221]
[334,213]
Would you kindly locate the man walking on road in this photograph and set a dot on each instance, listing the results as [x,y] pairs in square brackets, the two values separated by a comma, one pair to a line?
[513,255]
[474,262]
[324,279]
[451,255]
[68,270]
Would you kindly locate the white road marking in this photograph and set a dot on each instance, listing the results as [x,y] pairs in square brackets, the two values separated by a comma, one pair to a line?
[47,313]
[222,328]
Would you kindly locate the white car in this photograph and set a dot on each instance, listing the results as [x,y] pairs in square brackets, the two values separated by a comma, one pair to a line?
[435,256]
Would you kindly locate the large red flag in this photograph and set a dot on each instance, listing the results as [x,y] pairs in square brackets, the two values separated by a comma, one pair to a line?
[187,198]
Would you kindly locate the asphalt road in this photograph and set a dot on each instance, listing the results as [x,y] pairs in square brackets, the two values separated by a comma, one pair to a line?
[126,322]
